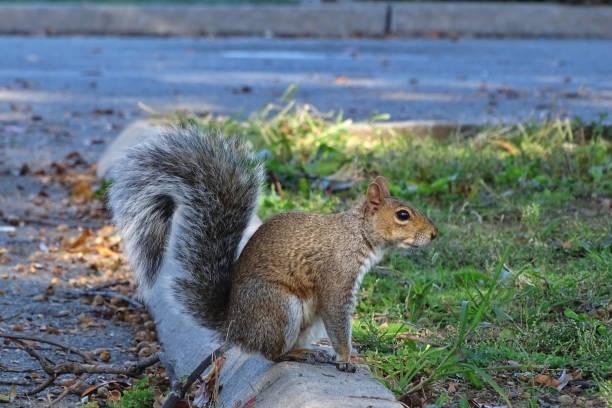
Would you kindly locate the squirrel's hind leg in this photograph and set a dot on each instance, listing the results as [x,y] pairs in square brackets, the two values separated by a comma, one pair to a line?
[264,319]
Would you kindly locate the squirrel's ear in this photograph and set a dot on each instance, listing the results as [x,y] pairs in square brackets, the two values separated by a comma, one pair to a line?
[375,196]
[382,183]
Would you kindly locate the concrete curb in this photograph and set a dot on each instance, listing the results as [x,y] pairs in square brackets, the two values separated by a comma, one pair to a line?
[320,20]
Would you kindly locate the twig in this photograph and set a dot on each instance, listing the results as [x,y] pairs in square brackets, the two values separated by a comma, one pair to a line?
[70,389]
[129,369]
[46,364]
[110,284]
[180,388]
[54,370]
[41,386]
[16,382]
[13,336]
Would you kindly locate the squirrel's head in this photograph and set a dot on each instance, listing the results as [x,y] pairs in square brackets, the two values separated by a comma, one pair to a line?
[398,223]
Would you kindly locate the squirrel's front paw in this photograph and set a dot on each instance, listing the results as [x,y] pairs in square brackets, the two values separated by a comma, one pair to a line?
[346,367]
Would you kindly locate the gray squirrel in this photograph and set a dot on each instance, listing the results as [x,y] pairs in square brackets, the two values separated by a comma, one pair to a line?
[183,202]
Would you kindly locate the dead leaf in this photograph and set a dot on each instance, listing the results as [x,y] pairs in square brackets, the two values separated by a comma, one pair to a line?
[507,146]
[105,356]
[340,80]
[81,239]
[10,397]
[106,231]
[542,379]
[114,396]
[82,190]
[106,253]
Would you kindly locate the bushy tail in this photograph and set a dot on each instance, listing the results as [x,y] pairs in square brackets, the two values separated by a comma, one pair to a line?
[186,198]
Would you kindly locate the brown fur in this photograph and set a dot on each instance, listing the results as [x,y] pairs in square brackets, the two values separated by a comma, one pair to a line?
[309,261]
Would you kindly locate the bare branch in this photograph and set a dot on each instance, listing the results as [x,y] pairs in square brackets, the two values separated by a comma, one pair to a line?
[12,336]
[54,370]
[46,364]
[129,369]
[48,381]
[70,389]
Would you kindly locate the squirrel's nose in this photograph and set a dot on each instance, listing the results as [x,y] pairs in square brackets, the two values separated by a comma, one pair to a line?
[434,234]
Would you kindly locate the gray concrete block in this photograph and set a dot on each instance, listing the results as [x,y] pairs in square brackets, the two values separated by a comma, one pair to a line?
[508,19]
[337,20]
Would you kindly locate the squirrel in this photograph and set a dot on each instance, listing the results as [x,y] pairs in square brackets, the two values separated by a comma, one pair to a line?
[182,203]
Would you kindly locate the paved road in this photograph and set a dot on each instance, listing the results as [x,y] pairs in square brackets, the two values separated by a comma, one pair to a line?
[465,81]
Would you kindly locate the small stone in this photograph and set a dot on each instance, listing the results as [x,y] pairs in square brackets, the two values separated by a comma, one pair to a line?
[150,325]
[566,400]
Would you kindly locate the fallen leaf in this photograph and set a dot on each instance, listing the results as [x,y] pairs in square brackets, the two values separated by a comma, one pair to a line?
[509,147]
[81,239]
[10,397]
[82,190]
[542,379]
[106,253]
[105,356]
[340,80]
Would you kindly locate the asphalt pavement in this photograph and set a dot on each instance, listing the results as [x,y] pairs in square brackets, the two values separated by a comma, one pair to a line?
[467,81]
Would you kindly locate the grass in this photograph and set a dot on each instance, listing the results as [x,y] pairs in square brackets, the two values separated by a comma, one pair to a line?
[519,283]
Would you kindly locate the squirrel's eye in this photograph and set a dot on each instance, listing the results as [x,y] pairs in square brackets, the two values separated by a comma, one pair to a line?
[402,215]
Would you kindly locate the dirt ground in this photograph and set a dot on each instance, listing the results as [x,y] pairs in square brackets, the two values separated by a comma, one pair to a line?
[61,273]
